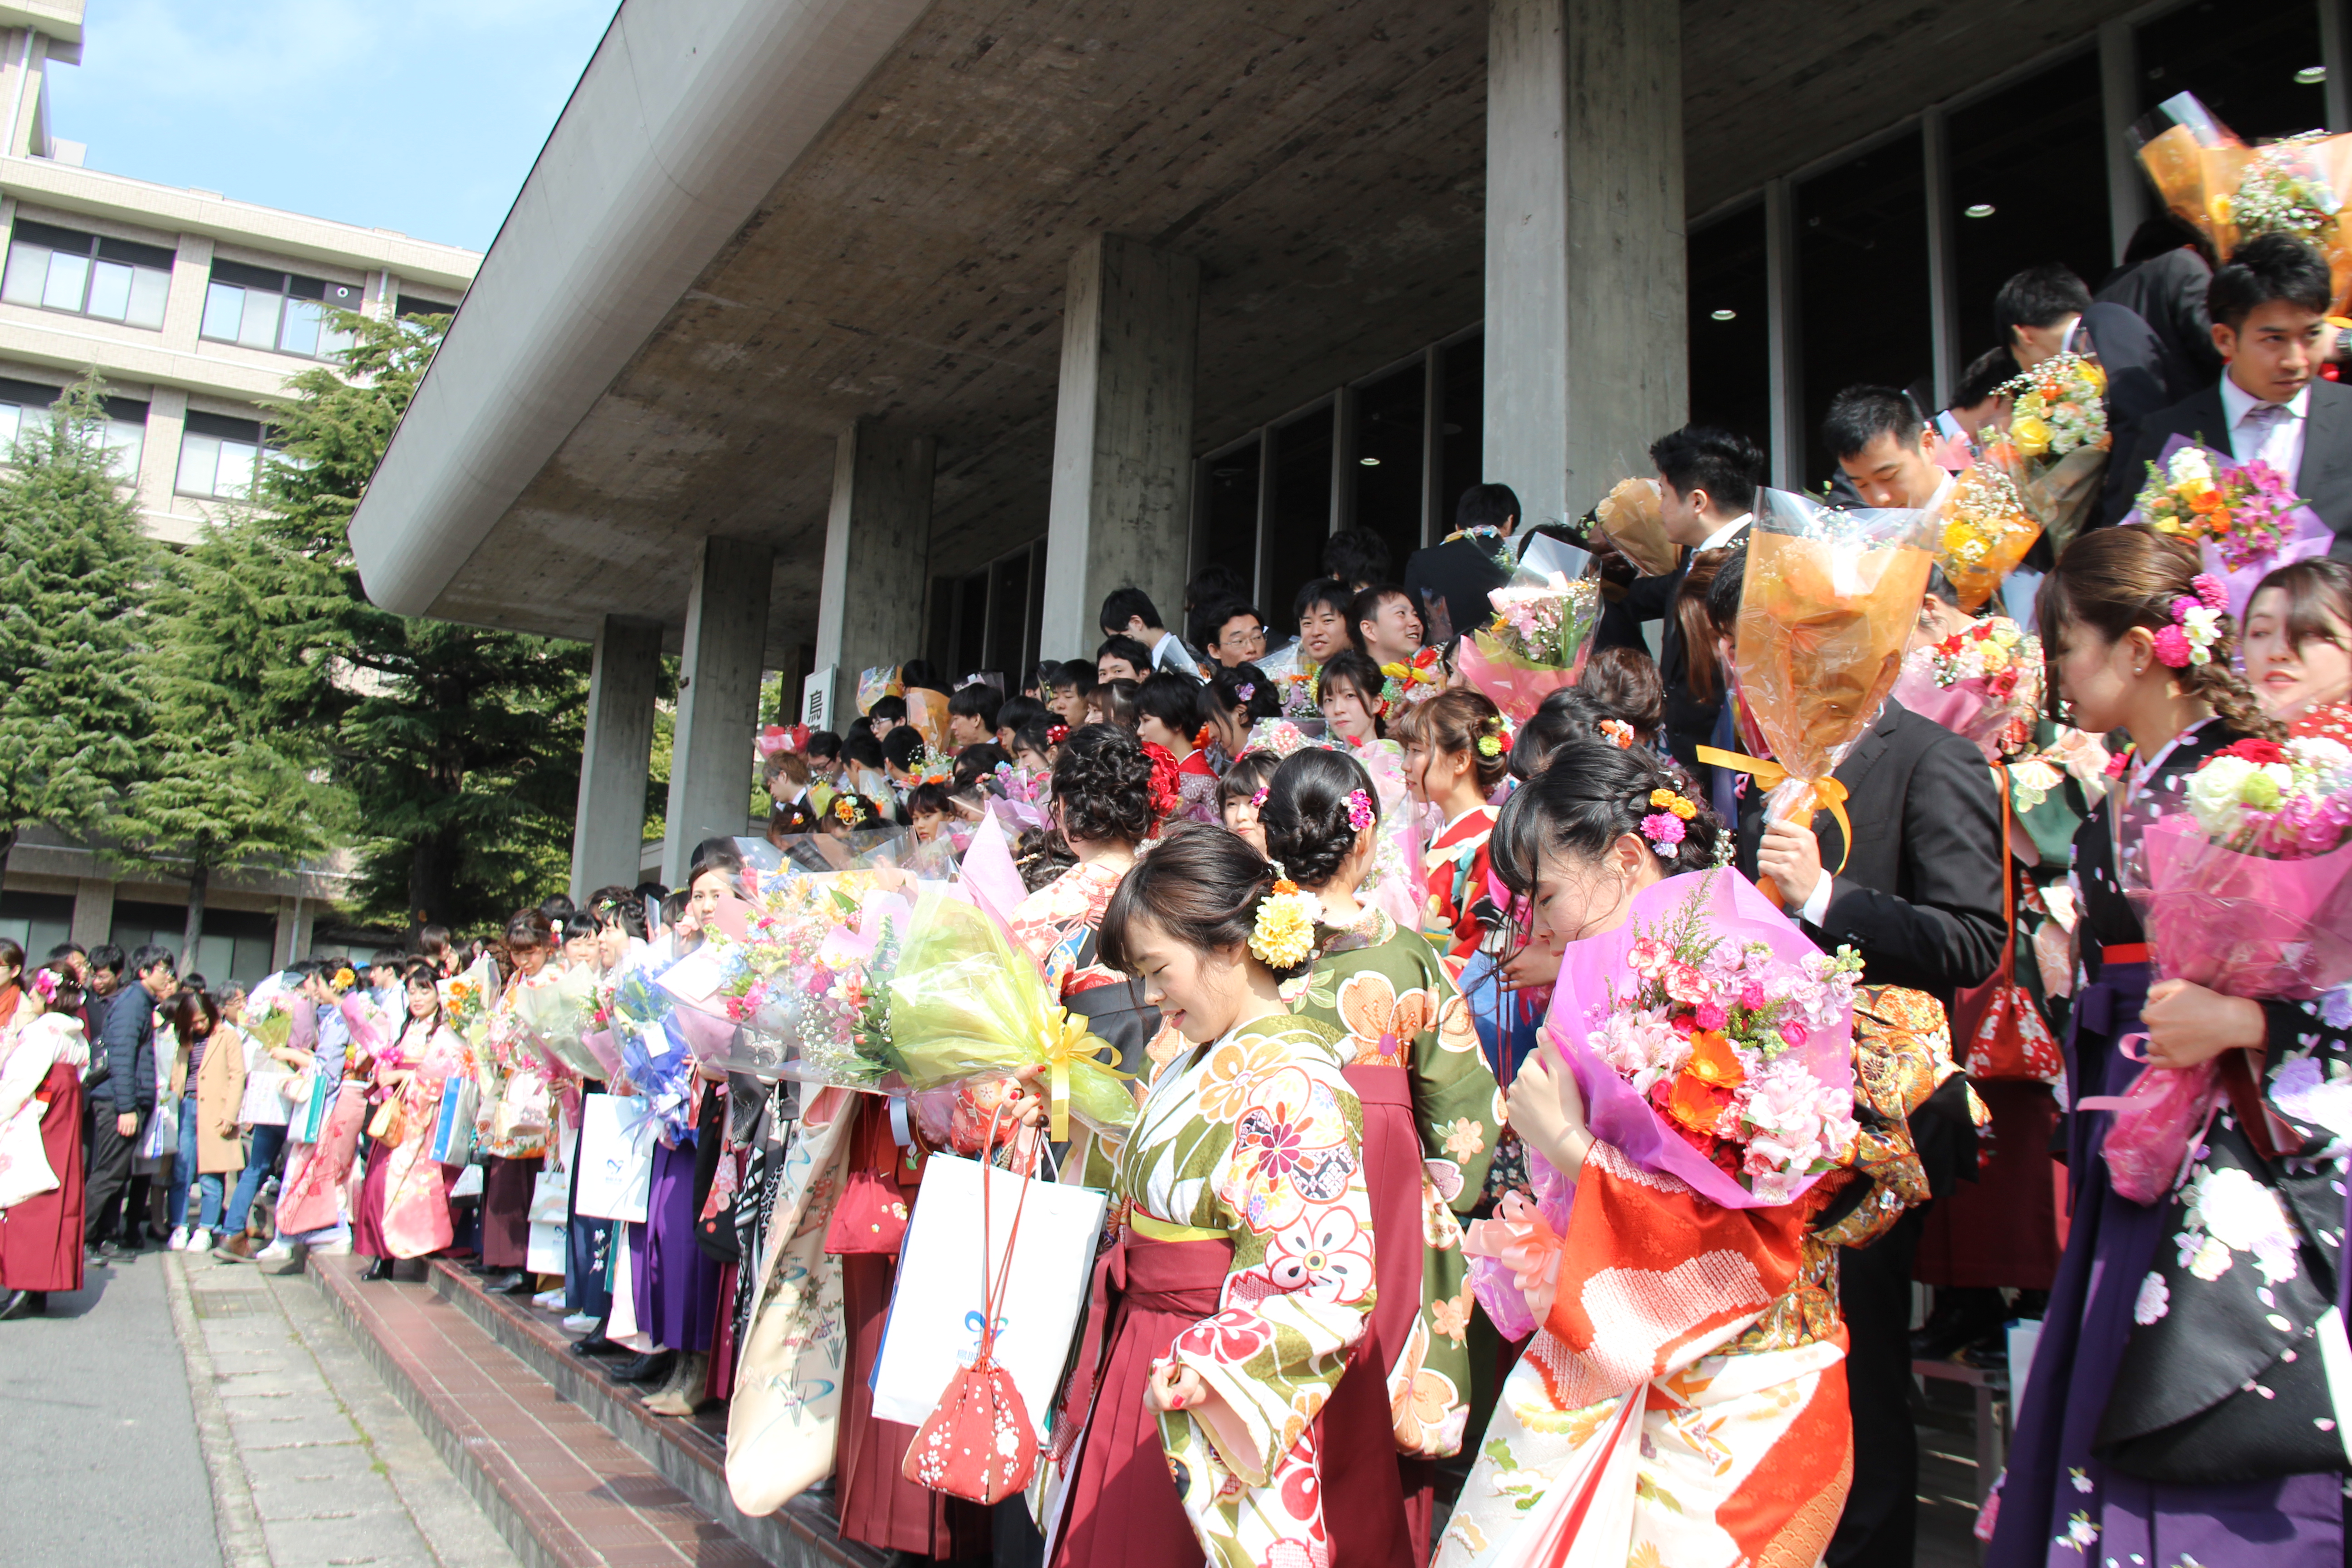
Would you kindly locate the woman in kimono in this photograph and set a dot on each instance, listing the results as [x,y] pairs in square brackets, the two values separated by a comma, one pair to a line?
[404,1208]
[517,1108]
[1432,1114]
[1172,711]
[2179,1406]
[1683,1400]
[43,1053]
[1242,1277]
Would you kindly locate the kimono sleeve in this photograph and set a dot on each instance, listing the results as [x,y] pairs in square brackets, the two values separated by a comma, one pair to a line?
[1291,1189]
[2307,1070]
[1456,1103]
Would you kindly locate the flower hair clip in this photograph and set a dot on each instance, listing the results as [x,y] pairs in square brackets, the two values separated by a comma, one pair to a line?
[1664,825]
[1361,814]
[1057,734]
[1257,801]
[45,986]
[1245,691]
[1617,731]
[1282,932]
[1202,738]
[2196,625]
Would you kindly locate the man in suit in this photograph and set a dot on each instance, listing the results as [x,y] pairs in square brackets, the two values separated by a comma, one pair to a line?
[1450,579]
[2269,305]
[1707,498]
[1919,896]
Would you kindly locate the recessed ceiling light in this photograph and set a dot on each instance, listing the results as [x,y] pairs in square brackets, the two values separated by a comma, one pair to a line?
[1370,462]
[1722,315]
[2311,76]
[1982,209]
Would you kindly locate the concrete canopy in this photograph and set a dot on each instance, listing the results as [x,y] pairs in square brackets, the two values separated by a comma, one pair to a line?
[759,220]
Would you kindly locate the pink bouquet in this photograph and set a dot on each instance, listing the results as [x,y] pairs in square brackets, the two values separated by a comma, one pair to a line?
[2244,518]
[1515,1257]
[1544,620]
[1982,684]
[1713,1041]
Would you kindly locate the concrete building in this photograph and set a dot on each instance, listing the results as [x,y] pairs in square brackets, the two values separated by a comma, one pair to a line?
[195,308]
[822,335]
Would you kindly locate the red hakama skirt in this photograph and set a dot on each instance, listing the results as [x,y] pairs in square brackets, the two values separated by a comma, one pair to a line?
[40,1238]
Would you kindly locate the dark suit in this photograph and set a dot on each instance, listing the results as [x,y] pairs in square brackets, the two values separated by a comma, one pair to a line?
[1690,723]
[1449,584]
[1920,899]
[2325,478]
[2167,292]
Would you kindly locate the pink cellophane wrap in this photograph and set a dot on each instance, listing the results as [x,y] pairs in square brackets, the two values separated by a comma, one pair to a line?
[1971,709]
[1594,970]
[2156,1119]
[2246,925]
[1515,1257]
[1512,683]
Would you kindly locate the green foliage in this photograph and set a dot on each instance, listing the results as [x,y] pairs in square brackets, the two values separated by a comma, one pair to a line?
[76,569]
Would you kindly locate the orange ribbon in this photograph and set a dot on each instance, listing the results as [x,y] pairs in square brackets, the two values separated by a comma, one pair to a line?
[1828,793]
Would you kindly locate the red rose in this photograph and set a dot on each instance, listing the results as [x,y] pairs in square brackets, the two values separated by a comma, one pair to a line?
[1165,794]
[2255,751]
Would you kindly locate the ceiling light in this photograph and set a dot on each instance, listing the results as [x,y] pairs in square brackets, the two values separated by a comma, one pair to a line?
[1982,209]
[1370,462]
[1722,315]
[2311,76]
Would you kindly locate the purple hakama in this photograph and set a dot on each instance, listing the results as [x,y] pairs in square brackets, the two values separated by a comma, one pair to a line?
[676,1282]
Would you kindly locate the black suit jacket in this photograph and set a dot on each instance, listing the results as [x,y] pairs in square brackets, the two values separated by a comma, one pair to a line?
[1690,723]
[2324,479]
[1920,897]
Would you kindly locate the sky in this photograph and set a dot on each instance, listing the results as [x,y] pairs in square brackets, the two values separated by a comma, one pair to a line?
[418,115]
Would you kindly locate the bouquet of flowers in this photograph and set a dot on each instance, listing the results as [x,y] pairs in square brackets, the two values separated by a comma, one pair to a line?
[1629,517]
[2244,518]
[1985,531]
[1543,626]
[269,1012]
[466,1001]
[2054,450]
[1983,684]
[1414,680]
[558,1015]
[2229,192]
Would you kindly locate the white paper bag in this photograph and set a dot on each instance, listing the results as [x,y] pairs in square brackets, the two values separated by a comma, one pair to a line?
[616,1156]
[935,1309]
[548,1243]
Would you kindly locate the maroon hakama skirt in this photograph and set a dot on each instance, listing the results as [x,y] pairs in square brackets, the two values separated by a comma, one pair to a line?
[1120,1508]
[1372,1518]
[40,1238]
[2008,1227]
[879,1507]
[367,1216]
[506,1210]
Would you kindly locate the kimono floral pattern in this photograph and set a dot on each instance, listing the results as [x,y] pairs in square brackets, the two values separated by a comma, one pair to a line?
[1259,1138]
[1461,907]
[517,1080]
[1389,989]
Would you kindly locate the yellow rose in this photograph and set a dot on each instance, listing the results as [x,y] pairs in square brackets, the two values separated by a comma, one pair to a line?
[2219,208]
[1994,656]
[2094,377]
[2031,436]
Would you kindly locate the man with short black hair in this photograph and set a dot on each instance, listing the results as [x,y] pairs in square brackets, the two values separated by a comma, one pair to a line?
[1129,613]
[971,714]
[1382,626]
[1449,582]
[105,970]
[1065,691]
[2037,311]
[1236,634]
[2269,305]
[1321,609]
[1121,659]
[120,1087]
[1357,557]
[887,714]
[1885,446]
[1707,498]
[1977,401]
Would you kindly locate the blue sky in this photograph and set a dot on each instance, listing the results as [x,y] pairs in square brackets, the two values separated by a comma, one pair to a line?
[417,115]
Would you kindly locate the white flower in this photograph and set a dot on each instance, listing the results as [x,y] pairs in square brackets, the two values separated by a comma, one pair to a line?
[2203,1257]
[2245,1216]
[2155,1300]
[1008,1442]
[2213,795]
[2191,463]
[2302,1094]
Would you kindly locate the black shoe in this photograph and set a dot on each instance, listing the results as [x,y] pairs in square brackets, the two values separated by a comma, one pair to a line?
[24,1304]
[650,1368]
[595,1343]
[103,1252]
[380,1269]
[521,1284]
[499,1281]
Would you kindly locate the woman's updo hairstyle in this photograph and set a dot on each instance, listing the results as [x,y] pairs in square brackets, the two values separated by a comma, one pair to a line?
[2113,579]
[1102,786]
[1456,720]
[1305,813]
[530,928]
[1570,713]
[1202,886]
[1247,690]
[1593,793]
[1253,772]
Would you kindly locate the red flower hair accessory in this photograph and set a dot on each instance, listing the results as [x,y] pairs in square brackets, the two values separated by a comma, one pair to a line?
[1202,738]
[1057,734]
[1165,796]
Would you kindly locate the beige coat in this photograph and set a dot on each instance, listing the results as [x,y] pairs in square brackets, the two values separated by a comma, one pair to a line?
[220,1094]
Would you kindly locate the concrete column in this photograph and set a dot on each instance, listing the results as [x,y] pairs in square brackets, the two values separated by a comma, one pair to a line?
[1122,498]
[718,698]
[1586,359]
[877,538]
[610,825]
[93,914]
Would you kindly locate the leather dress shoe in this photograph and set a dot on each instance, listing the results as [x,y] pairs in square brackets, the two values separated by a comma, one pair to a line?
[379,1270]
[24,1304]
[501,1281]
[651,1368]
[595,1343]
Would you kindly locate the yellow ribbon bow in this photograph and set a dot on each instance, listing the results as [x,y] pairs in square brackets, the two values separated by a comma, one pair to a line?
[1828,795]
[1068,1039]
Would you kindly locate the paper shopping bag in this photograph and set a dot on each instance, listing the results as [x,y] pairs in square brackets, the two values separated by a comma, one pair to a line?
[935,1321]
[452,1129]
[545,1252]
[616,1156]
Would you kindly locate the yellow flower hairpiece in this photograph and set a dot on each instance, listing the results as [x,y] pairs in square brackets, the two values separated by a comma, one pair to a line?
[345,980]
[1667,800]
[1489,746]
[1281,934]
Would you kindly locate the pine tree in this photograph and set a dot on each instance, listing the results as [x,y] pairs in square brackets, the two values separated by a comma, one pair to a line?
[75,571]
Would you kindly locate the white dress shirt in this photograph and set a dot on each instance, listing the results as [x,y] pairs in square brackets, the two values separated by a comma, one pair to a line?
[2276,440]
[1727,532]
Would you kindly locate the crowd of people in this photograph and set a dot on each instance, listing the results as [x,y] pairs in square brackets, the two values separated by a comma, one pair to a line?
[1433,1235]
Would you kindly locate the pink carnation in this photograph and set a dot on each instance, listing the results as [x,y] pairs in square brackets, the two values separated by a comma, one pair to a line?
[2172,648]
[1751,995]
[2210,590]
[1663,828]
[1709,1015]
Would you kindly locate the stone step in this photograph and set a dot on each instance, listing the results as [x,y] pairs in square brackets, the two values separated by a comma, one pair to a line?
[567,1464]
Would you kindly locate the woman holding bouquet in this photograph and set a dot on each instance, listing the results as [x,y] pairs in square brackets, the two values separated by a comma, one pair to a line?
[1684,1399]
[404,1208]
[1432,1114]
[2299,645]
[1243,1276]
[515,1106]
[2180,1409]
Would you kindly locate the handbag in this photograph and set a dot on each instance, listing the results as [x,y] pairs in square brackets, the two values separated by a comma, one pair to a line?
[2011,1040]
[390,1122]
[979,1443]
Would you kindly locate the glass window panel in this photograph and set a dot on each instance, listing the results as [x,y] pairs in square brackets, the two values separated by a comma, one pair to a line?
[11,417]
[332,341]
[2003,150]
[28,274]
[300,335]
[971,623]
[1731,359]
[148,290]
[69,280]
[1862,256]
[199,465]
[1232,534]
[237,459]
[1461,439]
[110,290]
[224,311]
[1301,522]
[259,328]
[1389,431]
[2241,60]
[124,440]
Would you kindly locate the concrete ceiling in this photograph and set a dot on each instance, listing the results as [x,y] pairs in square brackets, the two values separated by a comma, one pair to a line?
[1324,162]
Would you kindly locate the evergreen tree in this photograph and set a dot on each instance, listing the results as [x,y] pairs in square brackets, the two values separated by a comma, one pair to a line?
[74,568]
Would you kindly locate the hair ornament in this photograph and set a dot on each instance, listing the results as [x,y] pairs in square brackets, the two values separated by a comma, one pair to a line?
[1257,800]
[1618,732]
[1282,932]
[2196,625]
[45,986]
[1663,827]
[1057,734]
[1245,690]
[1361,814]
[1202,738]
[345,979]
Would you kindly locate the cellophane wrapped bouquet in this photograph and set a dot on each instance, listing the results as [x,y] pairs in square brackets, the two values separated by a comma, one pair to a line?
[558,1015]
[2244,518]
[2054,450]
[269,1012]
[2229,192]
[1983,532]
[1544,620]
[1983,684]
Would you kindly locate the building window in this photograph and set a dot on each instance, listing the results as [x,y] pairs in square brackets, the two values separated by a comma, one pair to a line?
[1392,428]
[82,274]
[283,311]
[412,308]
[23,403]
[1298,524]
[220,458]
[2245,63]
[1731,326]
[1862,258]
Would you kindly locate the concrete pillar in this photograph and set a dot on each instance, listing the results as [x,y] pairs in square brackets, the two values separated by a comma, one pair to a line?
[610,824]
[877,538]
[93,914]
[1587,357]
[1122,502]
[711,773]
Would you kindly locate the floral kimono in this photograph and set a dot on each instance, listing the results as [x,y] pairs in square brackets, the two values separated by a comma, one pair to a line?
[1461,908]
[1389,989]
[416,1199]
[1245,1164]
[516,1078]
[1683,1402]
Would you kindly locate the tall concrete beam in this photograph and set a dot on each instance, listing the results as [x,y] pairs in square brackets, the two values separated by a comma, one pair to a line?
[717,699]
[608,829]
[1122,502]
[877,544]
[1587,324]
